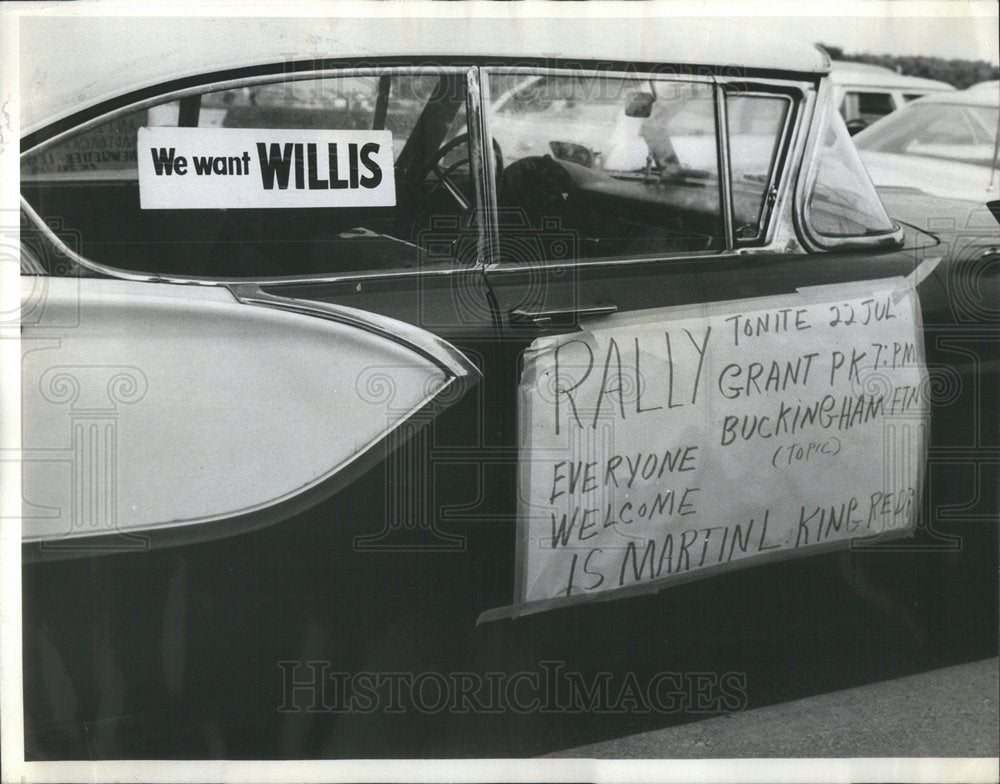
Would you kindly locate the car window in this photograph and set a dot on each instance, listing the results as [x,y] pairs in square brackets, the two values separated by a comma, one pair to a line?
[756,123]
[843,201]
[628,166]
[867,106]
[950,131]
[90,180]
[872,105]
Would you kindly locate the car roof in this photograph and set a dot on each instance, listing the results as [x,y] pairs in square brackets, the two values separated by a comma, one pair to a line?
[70,63]
[982,94]
[986,88]
[868,75]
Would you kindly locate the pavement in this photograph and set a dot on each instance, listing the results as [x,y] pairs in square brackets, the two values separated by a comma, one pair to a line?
[949,712]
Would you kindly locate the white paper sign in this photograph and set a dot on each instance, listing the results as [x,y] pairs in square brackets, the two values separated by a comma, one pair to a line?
[226,168]
[667,444]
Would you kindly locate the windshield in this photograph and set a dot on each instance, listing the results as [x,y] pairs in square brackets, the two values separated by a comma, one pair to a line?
[950,131]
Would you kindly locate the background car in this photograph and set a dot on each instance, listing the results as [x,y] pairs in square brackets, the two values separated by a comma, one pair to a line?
[945,145]
[867,92]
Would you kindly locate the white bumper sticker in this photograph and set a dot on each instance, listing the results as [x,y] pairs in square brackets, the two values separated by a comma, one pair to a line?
[232,168]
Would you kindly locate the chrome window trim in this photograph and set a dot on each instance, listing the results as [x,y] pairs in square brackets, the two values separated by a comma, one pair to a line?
[194,280]
[483,164]
[490,256]
[725,164]
[785,223]
[287,280]
[576,69]
[814,240]
[778,233]
[232,84]
[620,261]
[776,179]
[93,266]
[359,275]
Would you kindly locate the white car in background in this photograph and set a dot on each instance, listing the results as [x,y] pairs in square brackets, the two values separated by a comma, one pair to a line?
[865,93]
[945,145]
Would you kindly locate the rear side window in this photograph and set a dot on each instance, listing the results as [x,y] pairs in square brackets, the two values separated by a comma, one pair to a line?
[90,180]
[865,105]
[843,202]
[102,153]
[871,106]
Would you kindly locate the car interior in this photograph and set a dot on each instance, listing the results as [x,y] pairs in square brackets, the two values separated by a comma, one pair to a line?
[99,209]
[645,200]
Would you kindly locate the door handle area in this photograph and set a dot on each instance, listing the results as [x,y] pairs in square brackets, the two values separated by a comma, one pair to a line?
[547,318]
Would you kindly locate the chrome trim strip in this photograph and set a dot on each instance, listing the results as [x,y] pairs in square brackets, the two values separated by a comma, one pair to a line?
[230,84]
[541,70]
[628,261]
[290,280]
[76,258]
[441,353]
[485,173]
[429,346]
[724,164]
[776,173]
[360,276]
[543,318]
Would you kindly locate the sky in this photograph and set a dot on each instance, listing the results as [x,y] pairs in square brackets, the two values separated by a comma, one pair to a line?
[949,28]
[966,29]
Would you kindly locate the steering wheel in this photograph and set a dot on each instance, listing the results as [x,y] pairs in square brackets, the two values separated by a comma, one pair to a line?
[855,125]
[444,173]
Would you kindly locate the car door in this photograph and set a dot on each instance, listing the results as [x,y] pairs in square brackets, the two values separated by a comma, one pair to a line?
[619,199]
[320,361]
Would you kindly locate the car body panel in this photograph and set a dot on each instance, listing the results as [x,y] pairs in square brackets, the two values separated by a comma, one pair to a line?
[944,178]
[256,427]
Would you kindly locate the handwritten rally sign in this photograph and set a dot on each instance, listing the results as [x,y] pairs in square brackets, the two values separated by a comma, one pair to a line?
[219,168]
[661,445]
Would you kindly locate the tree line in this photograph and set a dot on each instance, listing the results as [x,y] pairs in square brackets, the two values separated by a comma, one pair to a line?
[959,73]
